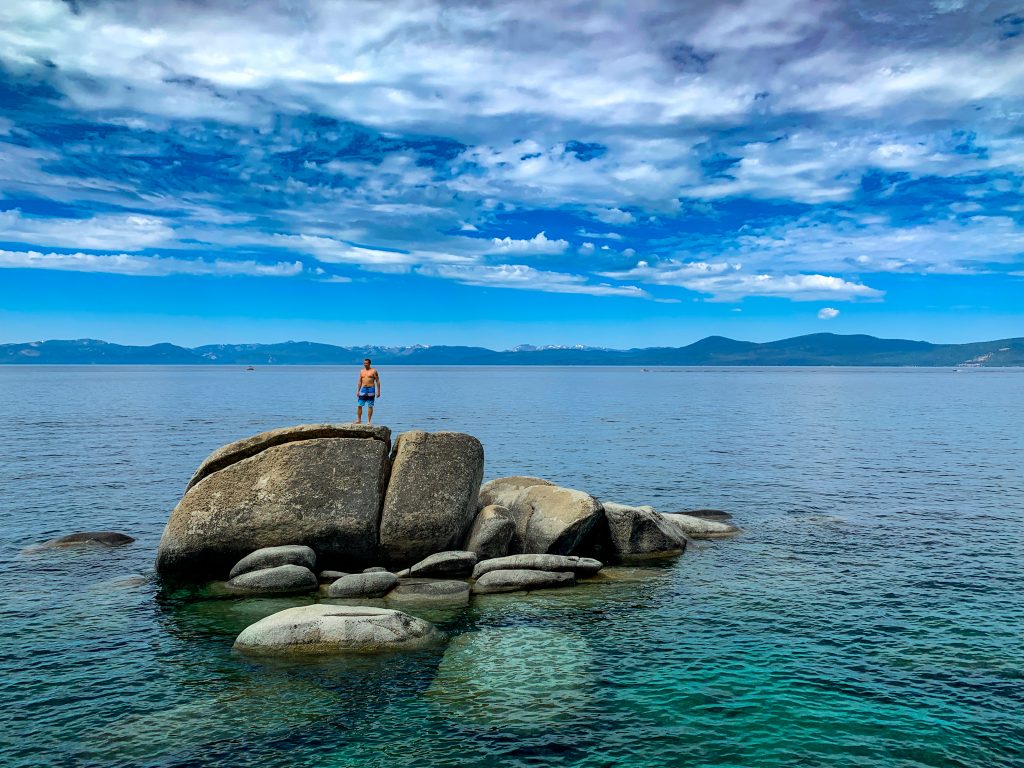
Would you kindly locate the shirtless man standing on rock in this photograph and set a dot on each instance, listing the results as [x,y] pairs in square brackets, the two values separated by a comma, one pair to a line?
[369,379]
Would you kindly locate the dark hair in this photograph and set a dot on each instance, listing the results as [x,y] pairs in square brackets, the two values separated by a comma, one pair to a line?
[367,360]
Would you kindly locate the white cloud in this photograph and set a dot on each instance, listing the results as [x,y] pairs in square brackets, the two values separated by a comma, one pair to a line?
[144,266]
[728,282]
[827,313]
[614,216]
[130,232]
[538,244]
[527,278]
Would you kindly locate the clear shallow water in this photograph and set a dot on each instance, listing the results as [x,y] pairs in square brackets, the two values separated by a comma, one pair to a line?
[870,615]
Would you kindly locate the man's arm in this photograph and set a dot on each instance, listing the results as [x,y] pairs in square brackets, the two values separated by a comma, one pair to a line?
[359,385]
[376,377]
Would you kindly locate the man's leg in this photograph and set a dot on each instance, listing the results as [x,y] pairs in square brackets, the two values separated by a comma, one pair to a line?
[369,414]
[359,414]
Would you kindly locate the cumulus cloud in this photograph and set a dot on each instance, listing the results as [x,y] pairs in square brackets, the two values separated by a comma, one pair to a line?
[144,266]
[538,244]
[827,313]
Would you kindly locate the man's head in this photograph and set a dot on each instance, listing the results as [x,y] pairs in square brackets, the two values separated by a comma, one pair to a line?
[366,363]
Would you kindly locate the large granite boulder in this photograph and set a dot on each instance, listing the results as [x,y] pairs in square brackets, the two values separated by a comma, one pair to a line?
[232,453]
[502,491]
[271,557]
[370,585]
[281,580]
[454,563]
[324,628]
[552,520]
[641,531]
[518,581]
[701,528]
[432,496]
[324,492]
[579,566]
[491,532]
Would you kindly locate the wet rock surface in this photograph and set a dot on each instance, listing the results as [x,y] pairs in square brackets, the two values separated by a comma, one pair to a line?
[280,580]
[580,566]
[453,563]
[376,584]
[326,629]
[521,580]
[270,557]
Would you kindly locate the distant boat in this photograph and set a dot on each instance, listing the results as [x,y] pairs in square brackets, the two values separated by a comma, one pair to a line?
[250,368]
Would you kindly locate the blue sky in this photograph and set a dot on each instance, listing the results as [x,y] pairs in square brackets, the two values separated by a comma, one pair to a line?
[608,173]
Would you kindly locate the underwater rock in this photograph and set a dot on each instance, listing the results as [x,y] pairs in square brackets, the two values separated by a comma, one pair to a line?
[324,628]
[701,528]
[104,538]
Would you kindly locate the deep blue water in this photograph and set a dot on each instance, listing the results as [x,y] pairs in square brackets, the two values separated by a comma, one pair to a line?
[871,614]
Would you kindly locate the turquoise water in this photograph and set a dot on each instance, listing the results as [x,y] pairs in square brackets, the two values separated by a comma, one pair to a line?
[870,615]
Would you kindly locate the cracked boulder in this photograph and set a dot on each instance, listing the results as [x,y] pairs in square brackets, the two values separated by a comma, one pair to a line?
[432,496]
[317,485]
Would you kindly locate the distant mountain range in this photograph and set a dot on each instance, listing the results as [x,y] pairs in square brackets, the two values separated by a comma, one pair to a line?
[814,349]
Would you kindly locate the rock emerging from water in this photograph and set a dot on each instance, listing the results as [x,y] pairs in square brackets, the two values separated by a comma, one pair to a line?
[430,592]
[280,580]
[579,566]
[701,528]
[454,563]
[642,532]
[521,581]
[326,629]
[102,538]
[336,498]
[552,520]
[324,492]
[271,557]
[368,585]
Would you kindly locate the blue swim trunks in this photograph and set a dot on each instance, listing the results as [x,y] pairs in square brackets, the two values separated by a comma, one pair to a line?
[366,396]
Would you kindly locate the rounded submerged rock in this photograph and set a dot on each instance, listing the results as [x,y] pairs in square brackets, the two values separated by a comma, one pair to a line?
[326,629]
[103,538]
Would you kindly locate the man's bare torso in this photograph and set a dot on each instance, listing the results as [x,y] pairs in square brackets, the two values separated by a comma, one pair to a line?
[368,377]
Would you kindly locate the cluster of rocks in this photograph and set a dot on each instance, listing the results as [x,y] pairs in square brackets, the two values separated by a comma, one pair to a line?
[444,577]
[404,522]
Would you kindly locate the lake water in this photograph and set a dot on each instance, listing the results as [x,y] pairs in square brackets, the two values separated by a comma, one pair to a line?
[871,614]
